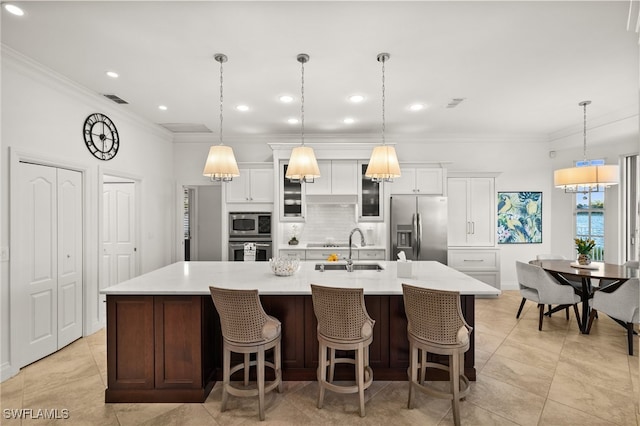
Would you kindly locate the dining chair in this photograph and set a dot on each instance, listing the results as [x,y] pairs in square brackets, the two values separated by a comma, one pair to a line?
[621,303]
[345,325]
[539,286]
[549,256]
[247,329]
[435,325]
[628,264]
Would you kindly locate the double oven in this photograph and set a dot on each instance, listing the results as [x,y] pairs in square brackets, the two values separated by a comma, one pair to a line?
[250,227]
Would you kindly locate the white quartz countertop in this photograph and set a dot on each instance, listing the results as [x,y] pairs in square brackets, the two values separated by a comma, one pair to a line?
[305,246]
[194,278]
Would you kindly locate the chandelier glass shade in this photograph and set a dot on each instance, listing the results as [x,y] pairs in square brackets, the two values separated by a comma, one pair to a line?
[383,165]
[221,164]
[303,166]
[587,178]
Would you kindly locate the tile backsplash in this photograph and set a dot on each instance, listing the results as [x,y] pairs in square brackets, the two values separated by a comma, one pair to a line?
[328,221]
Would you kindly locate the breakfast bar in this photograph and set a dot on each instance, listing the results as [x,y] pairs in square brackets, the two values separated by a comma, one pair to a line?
[163,334]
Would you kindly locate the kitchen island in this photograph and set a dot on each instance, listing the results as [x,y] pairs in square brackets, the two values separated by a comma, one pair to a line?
[163,334]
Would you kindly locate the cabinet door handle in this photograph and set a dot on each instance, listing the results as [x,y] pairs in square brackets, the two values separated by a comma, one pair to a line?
[473,260]
[473,227]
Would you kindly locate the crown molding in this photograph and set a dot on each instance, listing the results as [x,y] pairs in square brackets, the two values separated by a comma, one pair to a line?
[38,72]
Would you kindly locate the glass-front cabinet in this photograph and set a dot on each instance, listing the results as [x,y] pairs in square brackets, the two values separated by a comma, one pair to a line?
[370,196]
[292,199]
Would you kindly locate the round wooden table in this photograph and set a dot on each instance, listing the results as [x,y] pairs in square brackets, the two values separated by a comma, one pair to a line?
[564,272]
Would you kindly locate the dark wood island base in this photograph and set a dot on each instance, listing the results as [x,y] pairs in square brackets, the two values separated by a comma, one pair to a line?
[169,348]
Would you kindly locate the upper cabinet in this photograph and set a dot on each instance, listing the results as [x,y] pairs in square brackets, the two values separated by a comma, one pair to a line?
[291,198]
[370,196]
[471,211]
[252,186]
[337,177]
[418,181]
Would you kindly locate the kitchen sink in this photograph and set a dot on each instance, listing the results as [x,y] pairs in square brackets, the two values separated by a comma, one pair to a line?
[343,267]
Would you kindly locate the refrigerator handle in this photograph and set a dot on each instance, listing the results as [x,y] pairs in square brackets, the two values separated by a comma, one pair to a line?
[414,243]
[419,239]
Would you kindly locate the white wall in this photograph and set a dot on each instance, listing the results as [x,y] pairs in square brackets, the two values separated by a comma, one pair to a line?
[43,114]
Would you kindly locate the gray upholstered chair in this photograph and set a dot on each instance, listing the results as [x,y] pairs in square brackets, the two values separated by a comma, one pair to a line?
[435,325]
[634,264]
[621,303]
[548,256]
[343,324]
[539,286]
[247,329]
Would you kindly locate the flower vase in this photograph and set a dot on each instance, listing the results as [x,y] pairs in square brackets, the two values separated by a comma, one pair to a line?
[584,259]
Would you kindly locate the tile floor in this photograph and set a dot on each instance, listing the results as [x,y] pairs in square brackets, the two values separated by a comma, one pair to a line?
[525,377]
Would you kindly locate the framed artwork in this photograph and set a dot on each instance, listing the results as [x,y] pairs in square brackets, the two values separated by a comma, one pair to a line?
[519,217]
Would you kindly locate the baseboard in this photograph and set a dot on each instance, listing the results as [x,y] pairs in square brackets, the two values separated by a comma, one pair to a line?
[7,372]
[509,286]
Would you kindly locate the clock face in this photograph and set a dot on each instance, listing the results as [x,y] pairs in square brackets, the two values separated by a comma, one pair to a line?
[101,136]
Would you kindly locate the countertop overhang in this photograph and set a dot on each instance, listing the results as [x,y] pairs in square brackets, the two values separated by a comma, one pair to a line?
[194,278]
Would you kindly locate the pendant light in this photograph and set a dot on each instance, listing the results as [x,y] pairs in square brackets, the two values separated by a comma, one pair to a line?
[303,166]
[221,163]
[383,164]
[586,178]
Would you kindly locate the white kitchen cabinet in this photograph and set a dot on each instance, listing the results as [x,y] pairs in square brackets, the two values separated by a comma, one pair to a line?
[481,264]
[293,253]
[418,181]
[370,197]
[471,211]
[252,186]
[371,254]
[337,177]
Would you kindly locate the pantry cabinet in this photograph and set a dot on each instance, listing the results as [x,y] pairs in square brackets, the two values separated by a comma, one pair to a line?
[252,186]
[471,211]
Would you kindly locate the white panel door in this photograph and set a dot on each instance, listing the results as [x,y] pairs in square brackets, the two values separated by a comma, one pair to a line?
[119,234]
[69,256]
[36,288]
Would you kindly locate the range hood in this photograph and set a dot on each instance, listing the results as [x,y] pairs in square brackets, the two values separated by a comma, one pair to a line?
[331,199]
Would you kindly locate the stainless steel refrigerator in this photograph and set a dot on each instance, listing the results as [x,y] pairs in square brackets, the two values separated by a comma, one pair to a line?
[419,227]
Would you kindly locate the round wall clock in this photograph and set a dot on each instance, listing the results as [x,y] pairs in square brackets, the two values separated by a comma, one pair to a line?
[101,136]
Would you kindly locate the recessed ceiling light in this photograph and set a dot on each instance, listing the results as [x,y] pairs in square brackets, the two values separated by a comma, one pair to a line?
[286,99]
[113,74]
[242,108]
[13,9]
[356,98]
[416,107]
[292,121]
[348,120]
[162,107]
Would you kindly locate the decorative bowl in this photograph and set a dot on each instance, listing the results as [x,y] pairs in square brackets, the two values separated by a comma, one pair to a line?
[284,266]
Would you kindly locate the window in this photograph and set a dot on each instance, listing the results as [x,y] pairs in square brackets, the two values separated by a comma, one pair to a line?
[589,213]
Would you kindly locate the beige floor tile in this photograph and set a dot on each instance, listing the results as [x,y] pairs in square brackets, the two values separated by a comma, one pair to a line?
[555,413]
[507,401]
[184,415]
[577,390]
[519,374]
[481,359]
[533,355]
[389,407]
[129,414]
[474,415]
[488,342]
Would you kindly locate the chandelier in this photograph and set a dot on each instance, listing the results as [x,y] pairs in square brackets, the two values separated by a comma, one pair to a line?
[383,164]
[221,163]
[586,178]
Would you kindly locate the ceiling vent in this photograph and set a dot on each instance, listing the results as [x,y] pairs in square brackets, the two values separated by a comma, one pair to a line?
[455,102]
[186,127]
[116,99]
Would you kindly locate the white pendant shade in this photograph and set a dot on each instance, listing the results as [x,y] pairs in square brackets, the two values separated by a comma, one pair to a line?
[221,163]
[383,164]
[302,164]
[575,179]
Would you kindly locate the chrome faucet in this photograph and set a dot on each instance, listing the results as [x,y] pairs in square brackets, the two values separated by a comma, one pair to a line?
[362,244]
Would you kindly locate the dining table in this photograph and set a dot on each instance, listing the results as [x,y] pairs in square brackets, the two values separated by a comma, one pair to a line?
[569,272]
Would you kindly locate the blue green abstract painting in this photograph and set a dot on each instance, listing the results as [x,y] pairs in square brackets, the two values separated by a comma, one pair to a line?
[519,217]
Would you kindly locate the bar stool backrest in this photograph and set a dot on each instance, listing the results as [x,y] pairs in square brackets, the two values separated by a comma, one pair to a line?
[341,312]
[242,317]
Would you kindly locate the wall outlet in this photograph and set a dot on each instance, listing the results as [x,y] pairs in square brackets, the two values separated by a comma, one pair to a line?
[4,254]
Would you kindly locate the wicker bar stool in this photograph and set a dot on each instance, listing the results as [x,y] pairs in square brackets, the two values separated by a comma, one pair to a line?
[247,329]
[436,325]
[343,324]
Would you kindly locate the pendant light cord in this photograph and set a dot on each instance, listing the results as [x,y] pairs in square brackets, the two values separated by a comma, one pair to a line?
[302,61]
[584,132]
[221,99]
[383,99]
